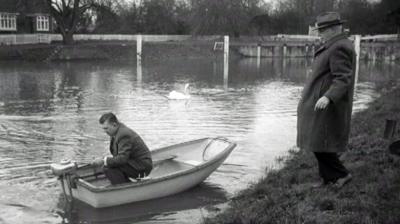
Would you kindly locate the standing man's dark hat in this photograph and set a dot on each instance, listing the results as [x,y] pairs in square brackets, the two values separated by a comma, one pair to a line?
[328,19]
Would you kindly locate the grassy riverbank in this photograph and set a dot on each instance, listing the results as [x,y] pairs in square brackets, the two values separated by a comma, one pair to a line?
[373,196]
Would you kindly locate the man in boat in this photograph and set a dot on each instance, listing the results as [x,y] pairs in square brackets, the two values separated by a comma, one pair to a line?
[130,158]
[324,111]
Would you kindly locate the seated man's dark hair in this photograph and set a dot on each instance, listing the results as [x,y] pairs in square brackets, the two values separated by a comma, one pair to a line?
[110,117]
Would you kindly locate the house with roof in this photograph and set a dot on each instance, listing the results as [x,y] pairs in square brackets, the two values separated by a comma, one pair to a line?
[25,16]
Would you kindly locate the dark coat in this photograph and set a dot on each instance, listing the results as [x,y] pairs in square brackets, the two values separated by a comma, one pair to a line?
[129,151]
[332,76]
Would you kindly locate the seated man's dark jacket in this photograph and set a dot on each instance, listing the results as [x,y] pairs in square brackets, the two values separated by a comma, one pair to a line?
[130,153]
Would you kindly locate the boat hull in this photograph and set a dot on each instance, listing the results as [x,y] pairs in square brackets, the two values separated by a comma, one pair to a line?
[189,176]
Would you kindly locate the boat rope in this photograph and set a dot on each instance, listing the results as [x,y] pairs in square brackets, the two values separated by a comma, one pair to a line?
[208,145]
[221,138]
[205,149]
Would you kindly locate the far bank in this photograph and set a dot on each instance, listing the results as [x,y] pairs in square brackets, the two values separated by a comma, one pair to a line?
[104,50]
[123,47]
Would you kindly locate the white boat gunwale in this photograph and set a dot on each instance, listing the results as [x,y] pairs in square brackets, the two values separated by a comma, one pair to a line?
[216,159]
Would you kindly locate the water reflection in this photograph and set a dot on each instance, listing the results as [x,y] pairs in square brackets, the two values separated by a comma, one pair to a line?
[49,112]
[378,71]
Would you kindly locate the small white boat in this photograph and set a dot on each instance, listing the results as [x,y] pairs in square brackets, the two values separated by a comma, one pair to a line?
[176,169]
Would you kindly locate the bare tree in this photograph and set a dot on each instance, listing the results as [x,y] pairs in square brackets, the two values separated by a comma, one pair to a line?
[106,17]
[224,16]
[67,14]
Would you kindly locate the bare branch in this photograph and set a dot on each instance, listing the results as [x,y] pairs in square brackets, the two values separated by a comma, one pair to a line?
[57,7]
[67,14]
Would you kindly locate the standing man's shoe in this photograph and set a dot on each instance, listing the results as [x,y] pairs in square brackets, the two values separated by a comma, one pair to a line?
[342,181]
[318,185]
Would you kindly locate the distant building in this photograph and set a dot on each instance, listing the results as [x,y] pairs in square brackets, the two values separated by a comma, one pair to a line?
[25,16]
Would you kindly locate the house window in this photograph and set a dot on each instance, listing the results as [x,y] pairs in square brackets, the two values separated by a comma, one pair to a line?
[42,23]
[8,22]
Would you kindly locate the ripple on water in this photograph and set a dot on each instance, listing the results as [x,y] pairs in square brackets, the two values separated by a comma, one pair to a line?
[54,117]
[29,202]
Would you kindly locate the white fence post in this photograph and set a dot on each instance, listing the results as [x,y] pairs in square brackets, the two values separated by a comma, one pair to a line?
[139,58]
[139,73]
[357,47]
[258,55]
[226,61]
[139,49]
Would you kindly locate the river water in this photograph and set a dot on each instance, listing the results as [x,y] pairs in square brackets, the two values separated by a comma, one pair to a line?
[50,112]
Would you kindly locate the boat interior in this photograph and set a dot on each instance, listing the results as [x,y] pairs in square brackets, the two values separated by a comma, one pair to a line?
[166,161]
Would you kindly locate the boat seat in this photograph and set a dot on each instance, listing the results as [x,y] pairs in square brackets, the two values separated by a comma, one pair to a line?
[155,163]
[189,162]
[163,159]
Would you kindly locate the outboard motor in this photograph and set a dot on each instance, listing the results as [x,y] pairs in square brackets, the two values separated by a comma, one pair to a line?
[64,167]
[65,170]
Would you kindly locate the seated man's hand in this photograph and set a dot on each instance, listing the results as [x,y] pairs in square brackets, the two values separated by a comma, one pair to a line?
[98,162]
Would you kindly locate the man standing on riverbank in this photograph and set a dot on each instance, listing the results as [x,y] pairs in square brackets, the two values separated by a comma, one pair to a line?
[324,111]
[130,155]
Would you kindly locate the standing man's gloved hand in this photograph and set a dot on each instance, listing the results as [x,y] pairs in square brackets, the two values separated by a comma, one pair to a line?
[322,103]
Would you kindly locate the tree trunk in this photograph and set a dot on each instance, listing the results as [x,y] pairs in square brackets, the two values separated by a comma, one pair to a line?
[68,38]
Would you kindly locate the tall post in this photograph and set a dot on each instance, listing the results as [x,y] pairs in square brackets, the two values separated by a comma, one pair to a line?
[139,88]
[139,49]
[139,72]
[392,54]
[374,54]
[306,53]
[357,43]
[226,61]
[258,55]
[284,51]
[284,59]
[139,58]
[313,50]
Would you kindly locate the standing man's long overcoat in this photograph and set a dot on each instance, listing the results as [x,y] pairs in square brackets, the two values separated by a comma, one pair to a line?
[332,76]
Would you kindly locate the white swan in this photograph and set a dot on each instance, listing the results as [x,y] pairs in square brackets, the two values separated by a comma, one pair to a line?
[175,95]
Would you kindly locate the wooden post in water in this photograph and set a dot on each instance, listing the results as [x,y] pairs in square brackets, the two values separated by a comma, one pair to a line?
[139,58]
[373,55]
[284,51]
[357,43]
[226,61]
[258,55]
[139,72]
[284,59]
[139,48]
[312,50]
[392,54]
